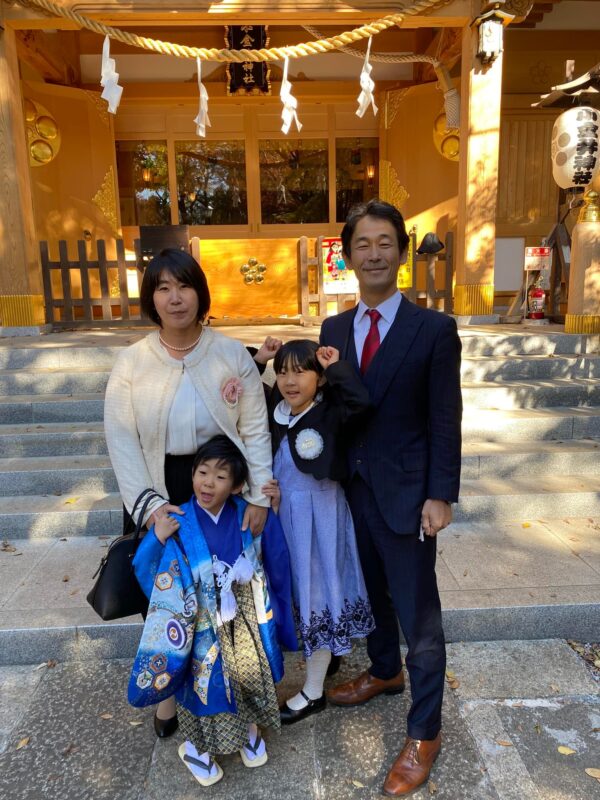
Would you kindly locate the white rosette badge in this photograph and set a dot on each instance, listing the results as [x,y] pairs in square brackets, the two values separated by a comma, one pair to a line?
[309,444]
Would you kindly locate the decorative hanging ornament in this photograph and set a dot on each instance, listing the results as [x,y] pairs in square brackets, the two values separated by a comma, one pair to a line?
[575,161]
[201,119]
[110,79]
[290,103]
[367,84]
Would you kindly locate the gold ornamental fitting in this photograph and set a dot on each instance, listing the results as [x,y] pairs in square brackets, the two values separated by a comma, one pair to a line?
[591,209]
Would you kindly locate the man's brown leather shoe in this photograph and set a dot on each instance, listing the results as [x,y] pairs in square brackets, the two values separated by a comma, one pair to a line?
[412,767]
[363,688]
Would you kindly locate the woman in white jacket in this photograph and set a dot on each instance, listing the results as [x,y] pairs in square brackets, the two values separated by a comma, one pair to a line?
[172,391]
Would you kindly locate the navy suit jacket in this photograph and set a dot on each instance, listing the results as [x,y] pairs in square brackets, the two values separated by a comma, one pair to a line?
[411,439]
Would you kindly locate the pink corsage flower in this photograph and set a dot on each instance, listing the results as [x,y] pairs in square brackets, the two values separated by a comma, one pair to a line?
[231,391]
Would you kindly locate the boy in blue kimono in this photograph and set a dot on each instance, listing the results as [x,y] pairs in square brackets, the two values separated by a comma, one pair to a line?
[213,628]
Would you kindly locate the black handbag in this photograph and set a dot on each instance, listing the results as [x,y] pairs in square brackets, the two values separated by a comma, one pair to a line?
[116,592]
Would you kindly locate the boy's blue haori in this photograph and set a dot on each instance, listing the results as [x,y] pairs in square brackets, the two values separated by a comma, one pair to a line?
[179,652]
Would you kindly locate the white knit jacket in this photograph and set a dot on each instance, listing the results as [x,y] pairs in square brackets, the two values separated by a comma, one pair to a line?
[138,399]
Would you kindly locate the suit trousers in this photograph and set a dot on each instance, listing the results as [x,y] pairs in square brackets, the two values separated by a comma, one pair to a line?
[399,573]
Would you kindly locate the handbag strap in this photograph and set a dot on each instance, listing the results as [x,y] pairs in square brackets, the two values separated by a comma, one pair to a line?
[146,496]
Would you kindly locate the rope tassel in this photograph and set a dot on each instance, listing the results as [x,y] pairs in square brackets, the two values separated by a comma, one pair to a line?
[290,103]
[110,79]
[201,119]
[367,84]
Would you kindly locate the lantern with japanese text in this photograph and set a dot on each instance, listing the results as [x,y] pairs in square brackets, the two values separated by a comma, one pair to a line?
[575,157]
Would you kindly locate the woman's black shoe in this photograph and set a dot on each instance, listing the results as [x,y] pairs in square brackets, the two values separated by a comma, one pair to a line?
[165,727]
[334,666]
[289,716]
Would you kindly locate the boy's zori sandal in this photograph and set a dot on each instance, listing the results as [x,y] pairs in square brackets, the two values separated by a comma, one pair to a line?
[204,768]
[254,755]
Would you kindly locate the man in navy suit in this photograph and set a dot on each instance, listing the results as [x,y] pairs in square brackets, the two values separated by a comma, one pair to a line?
[404,460]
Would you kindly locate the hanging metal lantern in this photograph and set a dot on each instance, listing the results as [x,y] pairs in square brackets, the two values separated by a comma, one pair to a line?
[575,161]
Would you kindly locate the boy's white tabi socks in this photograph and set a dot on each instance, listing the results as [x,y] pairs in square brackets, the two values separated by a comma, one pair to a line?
[254,754]
[202,766]
[316,671]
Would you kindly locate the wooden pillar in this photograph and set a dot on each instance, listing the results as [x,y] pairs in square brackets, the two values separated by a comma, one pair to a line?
[21,298]
[481,88]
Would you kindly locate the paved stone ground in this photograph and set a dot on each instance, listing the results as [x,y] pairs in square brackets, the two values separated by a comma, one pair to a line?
[515,705]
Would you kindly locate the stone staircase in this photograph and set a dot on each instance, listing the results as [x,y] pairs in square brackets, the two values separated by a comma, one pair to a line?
[521,561]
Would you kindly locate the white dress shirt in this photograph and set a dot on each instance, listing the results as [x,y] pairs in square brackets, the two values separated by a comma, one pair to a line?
[362,322]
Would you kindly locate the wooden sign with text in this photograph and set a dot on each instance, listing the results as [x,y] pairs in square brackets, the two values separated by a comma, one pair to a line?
[248,77]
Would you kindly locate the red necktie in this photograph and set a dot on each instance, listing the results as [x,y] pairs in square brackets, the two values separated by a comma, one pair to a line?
[371,342]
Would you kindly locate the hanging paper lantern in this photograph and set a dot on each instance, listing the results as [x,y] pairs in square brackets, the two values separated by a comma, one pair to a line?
[575,157]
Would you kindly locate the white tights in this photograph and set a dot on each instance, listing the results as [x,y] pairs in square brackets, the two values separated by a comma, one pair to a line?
[316,670]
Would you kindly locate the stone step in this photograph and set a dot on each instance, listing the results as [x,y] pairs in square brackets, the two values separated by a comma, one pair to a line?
[60,439]
[20,409]
[72,475]
[506,395]
[512,459]
[502,395]
[77,381]
[531,424]
[479,425]
[497,581]
[57,357]
[520,367]
[528,498]
[499,498]
[98,350]
[488,341]
[78,475]
[52,381]
[57,516]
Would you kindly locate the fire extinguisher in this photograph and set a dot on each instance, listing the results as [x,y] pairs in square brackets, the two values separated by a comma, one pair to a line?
[536,300]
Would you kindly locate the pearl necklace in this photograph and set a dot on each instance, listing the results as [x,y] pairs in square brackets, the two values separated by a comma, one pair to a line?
[180,349]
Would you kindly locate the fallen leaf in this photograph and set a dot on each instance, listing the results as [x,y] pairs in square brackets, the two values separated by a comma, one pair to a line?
[358,784]
[454,684]
[104,537]
[526,525]
[75,591]
[504,743]
[566,751]
[106,715]
[593,773]
[22,743]
[48,664]
[465,573]
[554,687]
[432,787]
[135,722]
[64,539]
[72,748]
[537,728]
[595,730]
[449,674]
[66,579]
[597,662]
[71,500]
[7,547]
